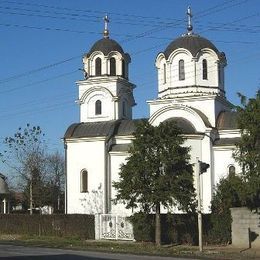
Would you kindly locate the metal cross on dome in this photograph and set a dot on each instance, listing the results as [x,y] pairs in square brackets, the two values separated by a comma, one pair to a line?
[106,31]
[189,28]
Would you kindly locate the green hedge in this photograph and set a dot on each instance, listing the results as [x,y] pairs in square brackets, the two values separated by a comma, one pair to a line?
[76,225]
[176,228]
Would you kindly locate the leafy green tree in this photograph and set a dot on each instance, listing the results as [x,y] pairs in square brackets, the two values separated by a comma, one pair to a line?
[230,192]
[157,172]
[25,154]
[248,148]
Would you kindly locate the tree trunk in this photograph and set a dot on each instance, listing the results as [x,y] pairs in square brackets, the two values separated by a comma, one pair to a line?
[58,202]
[31,198]
[158,225]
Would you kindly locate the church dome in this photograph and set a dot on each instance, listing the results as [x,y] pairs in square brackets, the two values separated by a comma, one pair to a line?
[106,45]
[191,42]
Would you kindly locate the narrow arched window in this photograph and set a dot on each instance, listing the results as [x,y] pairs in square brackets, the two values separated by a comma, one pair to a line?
[112,66]
[181,70]
[98,66]
[231,170]
[204,69]
[84,181]
[123,68]
[98,107]
[164,73]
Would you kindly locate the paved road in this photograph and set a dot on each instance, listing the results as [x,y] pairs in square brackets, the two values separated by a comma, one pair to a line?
[21,252]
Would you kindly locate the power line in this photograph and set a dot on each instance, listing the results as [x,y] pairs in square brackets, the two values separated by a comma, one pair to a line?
[38,69]
[77,56]
[37,82]
[101,13]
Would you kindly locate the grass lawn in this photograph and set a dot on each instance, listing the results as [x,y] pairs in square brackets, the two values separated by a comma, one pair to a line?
[210,252]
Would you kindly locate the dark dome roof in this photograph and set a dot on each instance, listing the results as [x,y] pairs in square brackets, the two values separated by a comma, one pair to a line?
[106,45]
[227,120]
[106,128]
[184,125]
[193,43]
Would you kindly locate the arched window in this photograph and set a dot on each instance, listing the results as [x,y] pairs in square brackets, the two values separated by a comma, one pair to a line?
[204,69]
[123,68]
[98,66]
[231,170]
[164,73]
[98,107]
[84,181]
[181,70]
[112,66]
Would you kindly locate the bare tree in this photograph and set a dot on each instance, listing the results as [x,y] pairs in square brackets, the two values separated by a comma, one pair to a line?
[55,178]
[25,154]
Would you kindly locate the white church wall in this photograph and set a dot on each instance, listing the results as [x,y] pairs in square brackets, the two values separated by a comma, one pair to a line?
[205,105]
[117,159]
[223,159]
[166,111]
[212,69]
[88,155]
[208,105]
[173,76]
[111,92]
[201,148]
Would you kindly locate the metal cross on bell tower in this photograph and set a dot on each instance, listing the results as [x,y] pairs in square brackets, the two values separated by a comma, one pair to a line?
[106,31]
[189,28]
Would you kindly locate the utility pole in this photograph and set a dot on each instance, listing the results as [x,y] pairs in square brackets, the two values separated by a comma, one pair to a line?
[197,170]
[200,167]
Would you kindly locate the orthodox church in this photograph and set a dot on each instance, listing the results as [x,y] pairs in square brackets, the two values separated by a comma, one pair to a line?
[191,91]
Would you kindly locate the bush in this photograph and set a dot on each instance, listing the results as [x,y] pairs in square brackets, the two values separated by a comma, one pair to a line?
[176,228]
[143,226]
[74,225]
[230,192]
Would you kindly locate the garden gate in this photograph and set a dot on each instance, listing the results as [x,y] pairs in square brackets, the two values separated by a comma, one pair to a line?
[115,227]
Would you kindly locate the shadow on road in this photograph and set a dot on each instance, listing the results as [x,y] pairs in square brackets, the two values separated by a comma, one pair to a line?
[54,257]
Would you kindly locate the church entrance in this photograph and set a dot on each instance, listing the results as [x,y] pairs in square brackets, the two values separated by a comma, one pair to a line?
[115,227]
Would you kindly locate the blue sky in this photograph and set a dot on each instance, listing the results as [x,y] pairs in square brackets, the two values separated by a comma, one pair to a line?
[42,42]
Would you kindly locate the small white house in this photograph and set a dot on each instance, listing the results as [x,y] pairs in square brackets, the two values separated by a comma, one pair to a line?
[191,91]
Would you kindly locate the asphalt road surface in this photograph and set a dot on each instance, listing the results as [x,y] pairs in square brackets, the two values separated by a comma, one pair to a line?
[21,252]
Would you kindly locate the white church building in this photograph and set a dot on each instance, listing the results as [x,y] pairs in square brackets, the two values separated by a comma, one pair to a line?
[191,91]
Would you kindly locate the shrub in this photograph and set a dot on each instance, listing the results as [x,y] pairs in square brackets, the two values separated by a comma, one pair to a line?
[230,192]
[74,225]
[176,228]
[143,226]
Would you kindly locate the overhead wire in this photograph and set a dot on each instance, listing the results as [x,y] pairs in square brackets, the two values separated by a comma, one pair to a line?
[37,82]
[141,35]
[138,36]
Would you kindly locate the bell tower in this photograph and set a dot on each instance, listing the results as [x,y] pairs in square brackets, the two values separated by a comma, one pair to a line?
[105,93]
[191,73]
